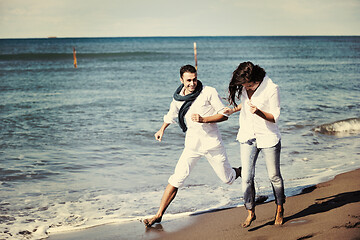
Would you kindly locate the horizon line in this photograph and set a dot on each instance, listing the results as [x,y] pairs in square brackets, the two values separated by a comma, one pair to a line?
[197,36]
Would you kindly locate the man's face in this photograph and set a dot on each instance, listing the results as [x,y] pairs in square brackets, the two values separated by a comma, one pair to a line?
[190,82]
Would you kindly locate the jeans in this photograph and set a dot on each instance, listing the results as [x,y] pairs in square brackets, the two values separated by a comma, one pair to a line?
[249,153]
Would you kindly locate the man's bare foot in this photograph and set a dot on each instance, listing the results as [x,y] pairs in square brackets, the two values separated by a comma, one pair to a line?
[151,221]
[238,172]
[251,217]
[279,218]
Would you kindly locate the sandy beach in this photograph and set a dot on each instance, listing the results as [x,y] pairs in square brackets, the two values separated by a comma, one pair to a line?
[329,210]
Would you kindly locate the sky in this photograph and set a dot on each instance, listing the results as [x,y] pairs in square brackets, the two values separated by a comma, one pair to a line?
[128,18]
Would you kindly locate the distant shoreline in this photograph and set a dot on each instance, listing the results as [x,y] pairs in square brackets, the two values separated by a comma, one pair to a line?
[250,36]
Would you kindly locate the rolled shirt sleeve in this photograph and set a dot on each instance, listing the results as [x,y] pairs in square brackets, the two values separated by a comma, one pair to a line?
[217,103]
[275,104]
[173,112]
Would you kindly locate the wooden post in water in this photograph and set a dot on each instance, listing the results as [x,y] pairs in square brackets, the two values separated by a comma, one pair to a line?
[195,55]
[75,61]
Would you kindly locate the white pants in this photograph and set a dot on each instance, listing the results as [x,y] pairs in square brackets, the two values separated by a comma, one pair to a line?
[217,158]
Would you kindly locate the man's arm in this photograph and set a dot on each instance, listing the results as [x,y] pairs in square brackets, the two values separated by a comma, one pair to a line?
[160,133]
[211,119]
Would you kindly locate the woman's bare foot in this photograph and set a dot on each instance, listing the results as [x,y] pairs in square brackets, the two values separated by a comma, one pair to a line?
[151,221]
[251,217]
[279,218]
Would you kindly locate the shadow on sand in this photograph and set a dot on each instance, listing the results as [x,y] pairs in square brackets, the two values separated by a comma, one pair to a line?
[321,205]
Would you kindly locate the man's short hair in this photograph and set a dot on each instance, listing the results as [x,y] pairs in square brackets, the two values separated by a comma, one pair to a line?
[187,68]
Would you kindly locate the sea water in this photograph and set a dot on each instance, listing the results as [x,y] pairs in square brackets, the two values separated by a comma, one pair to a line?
[77,145]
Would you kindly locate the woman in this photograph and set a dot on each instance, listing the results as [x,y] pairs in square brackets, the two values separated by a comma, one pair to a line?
[259,113]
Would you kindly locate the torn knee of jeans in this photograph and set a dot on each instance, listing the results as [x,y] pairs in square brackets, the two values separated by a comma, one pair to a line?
[275,179]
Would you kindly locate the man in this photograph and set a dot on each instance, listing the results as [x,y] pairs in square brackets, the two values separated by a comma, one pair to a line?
[197,109]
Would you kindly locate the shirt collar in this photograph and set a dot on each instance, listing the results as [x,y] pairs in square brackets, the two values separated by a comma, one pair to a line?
[260,88]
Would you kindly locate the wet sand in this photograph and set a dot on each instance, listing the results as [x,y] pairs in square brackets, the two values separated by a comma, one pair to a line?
[329,210]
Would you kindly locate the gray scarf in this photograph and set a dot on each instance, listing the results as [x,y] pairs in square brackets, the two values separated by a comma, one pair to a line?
[189,98]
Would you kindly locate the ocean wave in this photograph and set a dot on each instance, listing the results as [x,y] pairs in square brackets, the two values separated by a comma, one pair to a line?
[25,176]
[344,127]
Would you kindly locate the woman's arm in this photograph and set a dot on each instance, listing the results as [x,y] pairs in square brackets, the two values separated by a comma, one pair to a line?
[230,111]
[265,115]
[274,103]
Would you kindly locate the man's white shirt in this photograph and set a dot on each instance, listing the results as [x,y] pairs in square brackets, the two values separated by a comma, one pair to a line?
[199,136]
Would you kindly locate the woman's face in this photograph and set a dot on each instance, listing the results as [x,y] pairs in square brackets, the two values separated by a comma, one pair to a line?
[251,85]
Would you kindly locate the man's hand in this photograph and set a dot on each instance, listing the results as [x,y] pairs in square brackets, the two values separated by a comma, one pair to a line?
[159,135]
[197,118]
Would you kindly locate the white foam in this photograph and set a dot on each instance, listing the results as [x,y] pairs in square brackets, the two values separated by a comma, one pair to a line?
[342,127]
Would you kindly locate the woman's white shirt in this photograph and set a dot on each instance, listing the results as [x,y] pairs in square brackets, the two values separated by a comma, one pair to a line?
[266,98]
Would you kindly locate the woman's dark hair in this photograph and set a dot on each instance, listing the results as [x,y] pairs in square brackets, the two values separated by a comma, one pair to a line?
[246,72]
[187,68]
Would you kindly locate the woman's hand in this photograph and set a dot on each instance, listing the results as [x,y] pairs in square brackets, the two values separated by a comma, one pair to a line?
[253,108]
[228,111]
[265,115]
